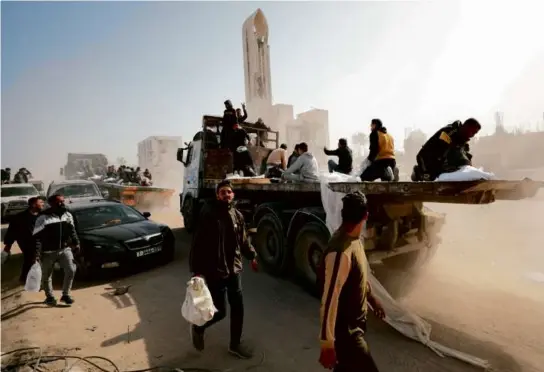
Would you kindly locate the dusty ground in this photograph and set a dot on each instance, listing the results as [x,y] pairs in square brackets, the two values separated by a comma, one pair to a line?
[481,293]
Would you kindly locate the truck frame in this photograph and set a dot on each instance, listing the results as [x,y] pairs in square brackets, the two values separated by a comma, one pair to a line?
[288,219]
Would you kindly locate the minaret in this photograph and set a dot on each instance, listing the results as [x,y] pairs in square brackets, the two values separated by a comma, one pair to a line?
[257,61]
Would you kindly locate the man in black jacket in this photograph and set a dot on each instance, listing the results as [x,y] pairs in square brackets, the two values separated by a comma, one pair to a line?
[56,239]
[20,230]
[345,158]
[446,151]
[219,243]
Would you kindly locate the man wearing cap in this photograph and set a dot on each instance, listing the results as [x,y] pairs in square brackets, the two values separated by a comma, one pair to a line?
[219,242]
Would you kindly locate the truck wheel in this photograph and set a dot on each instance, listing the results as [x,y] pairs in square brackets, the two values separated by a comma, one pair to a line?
[310,243]
[400,274]
[188,213]
[270,244]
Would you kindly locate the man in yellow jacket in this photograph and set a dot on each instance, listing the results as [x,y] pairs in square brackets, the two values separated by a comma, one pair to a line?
[381,158]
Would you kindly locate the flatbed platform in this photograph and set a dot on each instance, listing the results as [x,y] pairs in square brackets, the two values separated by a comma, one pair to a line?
[459,192]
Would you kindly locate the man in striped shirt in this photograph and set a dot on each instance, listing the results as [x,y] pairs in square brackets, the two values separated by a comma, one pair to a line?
[346,294]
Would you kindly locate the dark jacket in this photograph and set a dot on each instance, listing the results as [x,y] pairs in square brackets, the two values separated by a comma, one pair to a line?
[228,122]
[219,242]
[53,232]
[20,230]
[345,159]
[445,151]
[292,158]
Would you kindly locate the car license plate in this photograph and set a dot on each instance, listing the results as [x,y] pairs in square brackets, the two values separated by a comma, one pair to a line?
[146,251]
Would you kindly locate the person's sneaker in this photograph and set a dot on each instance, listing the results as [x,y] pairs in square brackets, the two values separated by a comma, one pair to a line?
[197,337]
[240,351]
[51,301]
[68,300]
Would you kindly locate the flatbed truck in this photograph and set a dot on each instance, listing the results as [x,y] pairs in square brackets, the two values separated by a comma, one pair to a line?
[289,221]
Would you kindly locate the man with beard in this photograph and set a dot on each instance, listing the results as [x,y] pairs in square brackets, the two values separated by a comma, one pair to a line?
[56,241]
[216,253]
[20,230]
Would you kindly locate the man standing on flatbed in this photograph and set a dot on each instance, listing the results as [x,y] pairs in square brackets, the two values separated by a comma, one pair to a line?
[346,294]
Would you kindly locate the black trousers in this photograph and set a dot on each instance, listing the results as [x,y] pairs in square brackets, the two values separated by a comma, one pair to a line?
[377,169]
[353,355]
[229,288]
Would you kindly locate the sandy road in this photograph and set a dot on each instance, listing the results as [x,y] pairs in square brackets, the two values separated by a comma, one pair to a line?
[476,293]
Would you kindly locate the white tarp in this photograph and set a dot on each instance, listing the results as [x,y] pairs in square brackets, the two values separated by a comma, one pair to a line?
[401,319]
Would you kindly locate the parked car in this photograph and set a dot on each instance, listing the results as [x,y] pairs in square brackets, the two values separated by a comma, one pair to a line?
[15,198]
[75,191]
[113,234]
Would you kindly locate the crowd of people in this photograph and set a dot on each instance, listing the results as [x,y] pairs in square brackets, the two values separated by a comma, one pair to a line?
[129,175]
[446,151]
[22,176]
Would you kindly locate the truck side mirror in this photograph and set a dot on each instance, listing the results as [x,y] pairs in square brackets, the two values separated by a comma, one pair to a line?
[180,156]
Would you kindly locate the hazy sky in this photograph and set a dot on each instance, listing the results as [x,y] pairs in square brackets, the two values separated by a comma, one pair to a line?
[101,76]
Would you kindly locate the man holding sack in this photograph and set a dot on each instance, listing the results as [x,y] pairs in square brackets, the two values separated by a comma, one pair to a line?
[219,243]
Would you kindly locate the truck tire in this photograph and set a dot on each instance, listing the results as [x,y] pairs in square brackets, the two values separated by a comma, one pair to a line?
[400,274]
[188,213]
[310,243]
[270,245]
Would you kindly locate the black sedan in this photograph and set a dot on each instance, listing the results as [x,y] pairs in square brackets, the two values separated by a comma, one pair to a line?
[113,234]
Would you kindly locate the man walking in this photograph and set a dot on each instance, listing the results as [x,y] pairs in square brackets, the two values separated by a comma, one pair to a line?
[346,293]
[56,239]
[20,230]
[219,243]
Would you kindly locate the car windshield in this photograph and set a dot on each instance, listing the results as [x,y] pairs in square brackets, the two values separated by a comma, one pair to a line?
[19,191]
[72,191]
[99,216]
[38,186]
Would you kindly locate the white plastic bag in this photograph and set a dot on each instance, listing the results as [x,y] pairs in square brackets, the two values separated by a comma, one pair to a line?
[198,307]
[34,278]
[466,173]
[5,256]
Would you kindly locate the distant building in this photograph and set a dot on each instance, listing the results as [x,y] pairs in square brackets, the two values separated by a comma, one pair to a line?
[158,154]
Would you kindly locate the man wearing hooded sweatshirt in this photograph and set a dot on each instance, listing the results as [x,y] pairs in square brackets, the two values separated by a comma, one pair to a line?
[219,243]
[304,169]
[381,155]
[56,240]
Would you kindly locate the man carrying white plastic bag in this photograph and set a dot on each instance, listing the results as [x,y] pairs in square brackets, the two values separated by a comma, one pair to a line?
[198,307]
[219,242]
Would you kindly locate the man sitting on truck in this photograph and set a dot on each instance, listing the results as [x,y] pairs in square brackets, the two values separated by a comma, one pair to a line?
[304,169]
[381,158]
[276,162]
[345,158]
[446,151]
[294,156]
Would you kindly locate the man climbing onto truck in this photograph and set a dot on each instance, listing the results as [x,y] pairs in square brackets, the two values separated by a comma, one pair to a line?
[219,243]
[446,151]
[346,293]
